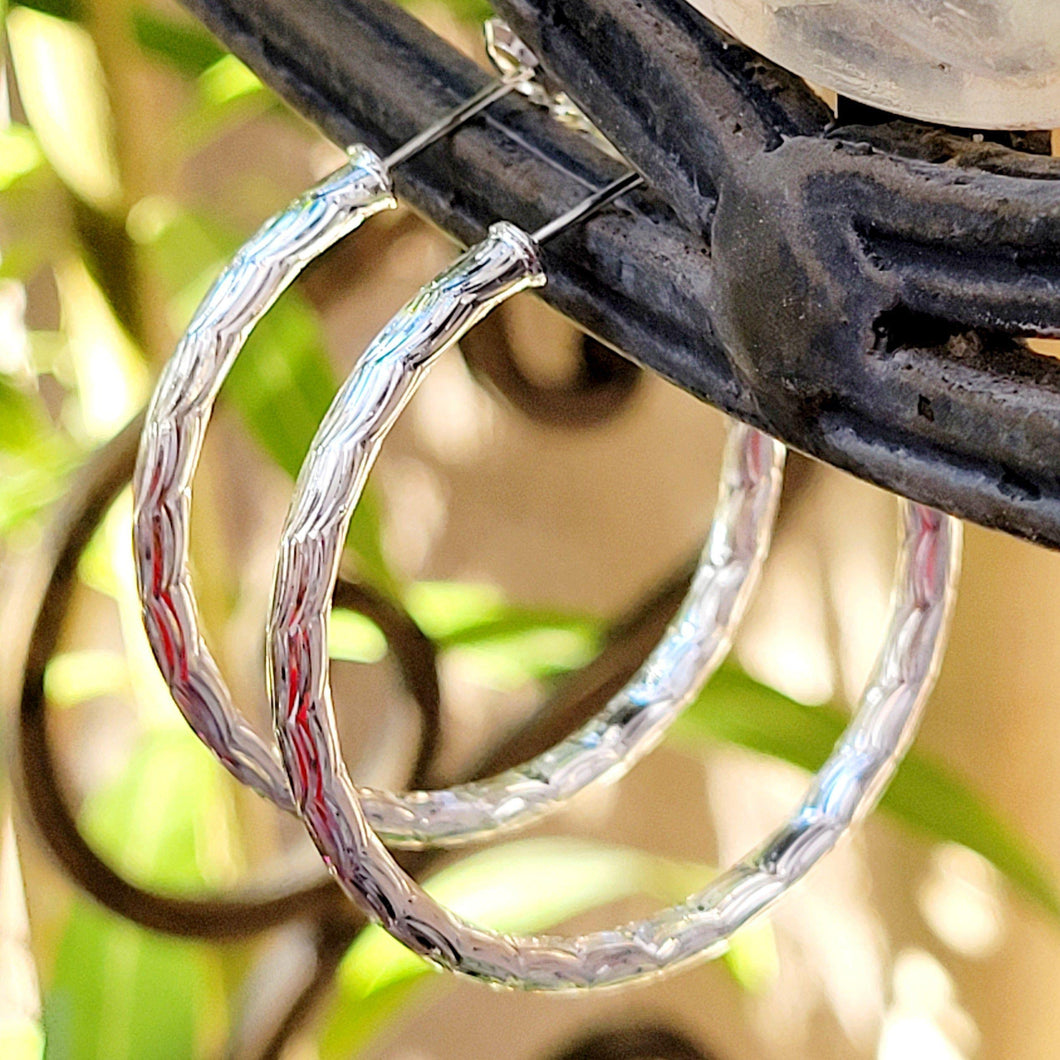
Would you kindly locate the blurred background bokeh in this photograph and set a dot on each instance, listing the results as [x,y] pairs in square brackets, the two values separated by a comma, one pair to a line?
[540,503]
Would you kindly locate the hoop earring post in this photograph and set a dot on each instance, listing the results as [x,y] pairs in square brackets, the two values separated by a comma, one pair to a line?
[588,206]
[436,131]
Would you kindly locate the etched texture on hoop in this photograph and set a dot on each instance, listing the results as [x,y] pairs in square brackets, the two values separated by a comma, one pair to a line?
[172,443]
[636,718]
[848,786]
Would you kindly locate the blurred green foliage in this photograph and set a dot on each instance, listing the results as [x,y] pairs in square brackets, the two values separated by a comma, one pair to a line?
[73,234]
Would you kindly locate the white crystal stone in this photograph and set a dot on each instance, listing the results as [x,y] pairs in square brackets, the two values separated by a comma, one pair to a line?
[982,64]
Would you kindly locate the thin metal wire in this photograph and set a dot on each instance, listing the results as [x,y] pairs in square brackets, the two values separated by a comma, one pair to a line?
[438,130]
[587,207]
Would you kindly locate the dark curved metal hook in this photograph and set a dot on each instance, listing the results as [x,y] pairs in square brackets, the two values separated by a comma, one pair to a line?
[204,917]
[641,1042]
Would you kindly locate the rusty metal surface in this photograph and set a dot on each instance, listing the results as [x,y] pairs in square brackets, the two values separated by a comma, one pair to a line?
[860,291]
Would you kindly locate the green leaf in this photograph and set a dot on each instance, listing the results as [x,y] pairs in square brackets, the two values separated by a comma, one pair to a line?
[62,89]
[35,458]
[355,638]
[229,79]
[20,154]
[21,1038]
[76,677]
[165,821]
[121,992]
[752,957]
[22,419]
[444,609]
[228,94]
[74,10]
[282,382]
[515,640]
[282,385]
[510,661]
[31,486]
[456,614]
[473,11]
[182,43]
[109,370]
[924,795]
[506,646]
[518,622]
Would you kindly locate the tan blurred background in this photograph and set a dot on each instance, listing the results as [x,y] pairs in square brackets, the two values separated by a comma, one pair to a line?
[900,947]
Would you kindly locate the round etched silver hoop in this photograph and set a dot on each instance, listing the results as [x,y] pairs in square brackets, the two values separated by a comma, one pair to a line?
[848,785]
[180,409]
[169,453]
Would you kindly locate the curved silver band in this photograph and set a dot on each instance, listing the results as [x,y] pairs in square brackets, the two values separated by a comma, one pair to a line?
[172,443]
[329,486]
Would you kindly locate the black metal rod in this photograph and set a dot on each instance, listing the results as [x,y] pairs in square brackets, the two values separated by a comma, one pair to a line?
[858,292]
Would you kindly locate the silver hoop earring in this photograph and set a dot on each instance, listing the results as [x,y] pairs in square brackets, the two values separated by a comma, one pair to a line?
[340,819]
[180,409]
[169,454]
[327,491]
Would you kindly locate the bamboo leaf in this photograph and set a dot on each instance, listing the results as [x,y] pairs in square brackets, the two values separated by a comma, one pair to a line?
[122,993]
[228,94]
[119,992]
[21,1039]
[77,677]
[182,43]
[35,458]
[507,646]
[20,154]
[354,638]
[74,10]
[62,89]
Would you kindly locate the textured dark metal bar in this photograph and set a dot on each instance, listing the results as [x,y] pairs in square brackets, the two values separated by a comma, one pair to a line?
[859,292]
[850,265]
